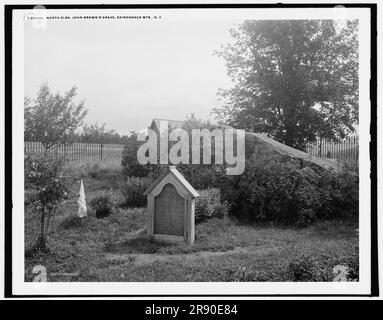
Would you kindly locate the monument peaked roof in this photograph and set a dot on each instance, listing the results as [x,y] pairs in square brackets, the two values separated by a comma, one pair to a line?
[172,170]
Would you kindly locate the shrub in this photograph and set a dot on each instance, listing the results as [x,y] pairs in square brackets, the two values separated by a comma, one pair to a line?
[305,217]
[272,192]
[133,189]
[94,170]
[202,176]
[221,210]
[102,205]
[208,205]
[339,193]
[71,222]
[100,172]
[130,165]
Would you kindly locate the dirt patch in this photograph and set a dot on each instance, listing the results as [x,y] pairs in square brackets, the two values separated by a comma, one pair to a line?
[148,258]
[136,258]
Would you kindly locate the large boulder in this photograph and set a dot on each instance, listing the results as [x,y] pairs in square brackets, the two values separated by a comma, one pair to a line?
[262,148]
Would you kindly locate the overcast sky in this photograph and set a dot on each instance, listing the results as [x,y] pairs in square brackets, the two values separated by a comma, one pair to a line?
[128,71]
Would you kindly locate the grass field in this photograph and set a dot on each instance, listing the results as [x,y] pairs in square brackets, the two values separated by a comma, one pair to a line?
[115,249]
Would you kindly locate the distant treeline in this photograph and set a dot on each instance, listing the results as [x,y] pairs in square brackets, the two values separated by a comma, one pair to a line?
[89,134]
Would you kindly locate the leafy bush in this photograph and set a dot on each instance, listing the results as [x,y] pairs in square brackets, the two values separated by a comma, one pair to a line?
[221,210]
[202,176]
[208,205]
[339,193]
[130,165]
[71,222]
[287,195]
[270,193]
[94,170]
[102,205]
[133,189]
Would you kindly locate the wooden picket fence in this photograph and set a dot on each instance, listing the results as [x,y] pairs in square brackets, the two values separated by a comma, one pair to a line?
[81,151]
[346,150]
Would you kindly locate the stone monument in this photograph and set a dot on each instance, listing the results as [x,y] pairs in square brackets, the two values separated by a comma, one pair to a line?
[171,205]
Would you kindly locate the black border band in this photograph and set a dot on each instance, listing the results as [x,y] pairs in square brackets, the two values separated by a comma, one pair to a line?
[8,138]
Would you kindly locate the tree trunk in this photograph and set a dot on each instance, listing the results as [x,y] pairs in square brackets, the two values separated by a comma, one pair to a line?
[41,241]
[291,128]
[290,135]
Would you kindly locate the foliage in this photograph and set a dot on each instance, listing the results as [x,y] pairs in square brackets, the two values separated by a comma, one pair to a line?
[133,189]
[305,268]
[208,205]
[52,118]
[52,183]
[93,170]
[230,250]
[339,193]
[203,175]
[130,165]
[272,192]
[294,79]
[352,263]
[321,267]
[264,253]
[96,133]
[45,172]
[70,222]
[102,205]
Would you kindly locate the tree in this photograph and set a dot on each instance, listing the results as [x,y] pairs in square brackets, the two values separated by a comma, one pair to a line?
[52,183]
[130,165]
[96,134]
[52,118]
[293,80]
[202,175]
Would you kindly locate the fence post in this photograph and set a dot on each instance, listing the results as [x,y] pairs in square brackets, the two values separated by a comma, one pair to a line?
[101,148]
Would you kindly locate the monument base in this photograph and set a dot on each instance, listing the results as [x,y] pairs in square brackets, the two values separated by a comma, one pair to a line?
[167,238]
